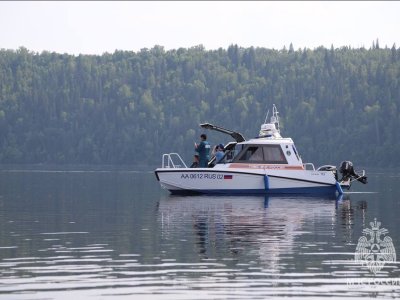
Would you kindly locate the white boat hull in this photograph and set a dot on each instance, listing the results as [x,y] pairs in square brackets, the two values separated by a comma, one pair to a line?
[238,181]
[267,164]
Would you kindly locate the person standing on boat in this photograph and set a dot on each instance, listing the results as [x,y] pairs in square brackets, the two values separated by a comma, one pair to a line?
[203,148]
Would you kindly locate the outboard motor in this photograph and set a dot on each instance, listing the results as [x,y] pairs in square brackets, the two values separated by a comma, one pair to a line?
[349,175]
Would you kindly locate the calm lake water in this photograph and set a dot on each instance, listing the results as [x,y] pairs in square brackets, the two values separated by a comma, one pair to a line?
[118,235]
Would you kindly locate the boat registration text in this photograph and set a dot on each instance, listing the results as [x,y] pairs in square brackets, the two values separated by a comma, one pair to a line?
[206,176]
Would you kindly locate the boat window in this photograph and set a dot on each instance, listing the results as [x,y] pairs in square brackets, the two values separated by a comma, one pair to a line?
[230,155]
[252,153]
[295,152]
[266,154]
[273,155]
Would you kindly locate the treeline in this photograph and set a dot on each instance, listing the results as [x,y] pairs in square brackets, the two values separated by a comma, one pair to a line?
[130,107]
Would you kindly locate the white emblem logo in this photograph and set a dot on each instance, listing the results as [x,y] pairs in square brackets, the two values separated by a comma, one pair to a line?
[375,251]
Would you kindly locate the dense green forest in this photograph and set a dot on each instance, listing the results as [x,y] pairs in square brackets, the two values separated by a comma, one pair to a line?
[128,108]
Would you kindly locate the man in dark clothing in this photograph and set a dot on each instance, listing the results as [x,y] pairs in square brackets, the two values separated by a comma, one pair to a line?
[195,163]
[204,151]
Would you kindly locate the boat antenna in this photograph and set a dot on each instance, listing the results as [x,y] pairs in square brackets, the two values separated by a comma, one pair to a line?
[275,117]
[271,128]
[266,117]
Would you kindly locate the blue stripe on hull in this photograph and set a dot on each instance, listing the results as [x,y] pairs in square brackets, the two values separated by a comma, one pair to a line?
[307,191]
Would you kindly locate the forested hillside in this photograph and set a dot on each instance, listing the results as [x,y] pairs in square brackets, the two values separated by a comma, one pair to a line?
[130,107]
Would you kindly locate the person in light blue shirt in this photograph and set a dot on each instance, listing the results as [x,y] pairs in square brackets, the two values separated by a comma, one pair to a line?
[220,153]
[203,148]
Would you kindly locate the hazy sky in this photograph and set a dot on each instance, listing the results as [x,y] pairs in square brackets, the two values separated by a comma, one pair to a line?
[98,27]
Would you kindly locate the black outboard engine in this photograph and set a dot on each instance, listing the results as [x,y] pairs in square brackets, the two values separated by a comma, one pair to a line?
[348,173]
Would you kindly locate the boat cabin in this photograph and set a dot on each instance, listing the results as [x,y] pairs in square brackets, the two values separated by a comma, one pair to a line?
[263,151]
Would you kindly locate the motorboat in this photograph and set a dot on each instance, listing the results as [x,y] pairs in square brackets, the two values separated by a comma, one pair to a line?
[266,164]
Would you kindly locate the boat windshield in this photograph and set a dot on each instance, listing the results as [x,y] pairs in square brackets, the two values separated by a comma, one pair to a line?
[262,154]
[230,155]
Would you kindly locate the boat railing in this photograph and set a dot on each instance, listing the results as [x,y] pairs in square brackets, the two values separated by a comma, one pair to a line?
[309,166]
[173,160]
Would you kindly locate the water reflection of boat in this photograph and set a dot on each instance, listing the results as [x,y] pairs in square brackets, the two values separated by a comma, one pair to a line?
[265,227]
